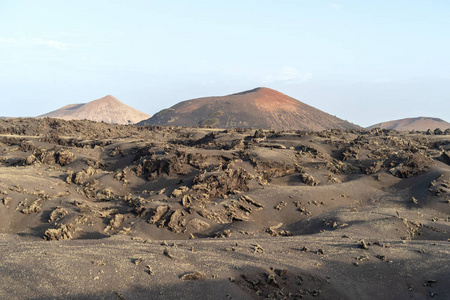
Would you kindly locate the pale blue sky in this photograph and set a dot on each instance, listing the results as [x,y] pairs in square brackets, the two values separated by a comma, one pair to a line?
[363,61]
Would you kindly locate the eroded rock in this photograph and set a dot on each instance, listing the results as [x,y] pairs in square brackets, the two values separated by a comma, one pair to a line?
[219,185]
[62,232]
[414,164]
[193,276]
[33,207]
[199,225]
[64,157]
[115,221]
[57,214]
[82,176]
[308,179]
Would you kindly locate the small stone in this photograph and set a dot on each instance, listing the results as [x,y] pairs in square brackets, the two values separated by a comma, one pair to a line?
[193,276]
[167,253]
[363,245]
[304,249]
[6,200]
[257,249]
[149,270]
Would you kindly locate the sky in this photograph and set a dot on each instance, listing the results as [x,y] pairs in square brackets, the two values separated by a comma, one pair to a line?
[363,61]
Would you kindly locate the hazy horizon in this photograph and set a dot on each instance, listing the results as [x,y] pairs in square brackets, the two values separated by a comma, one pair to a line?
[363,62]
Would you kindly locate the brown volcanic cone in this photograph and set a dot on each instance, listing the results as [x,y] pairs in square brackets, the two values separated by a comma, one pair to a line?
[107,109]
[257,108]
[420,123]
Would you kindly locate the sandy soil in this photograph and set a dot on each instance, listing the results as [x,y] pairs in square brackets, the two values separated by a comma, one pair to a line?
[91,210]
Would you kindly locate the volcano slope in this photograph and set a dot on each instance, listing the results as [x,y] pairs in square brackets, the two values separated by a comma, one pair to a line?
[420,123]
[107,109]
[98,211]
[258,108]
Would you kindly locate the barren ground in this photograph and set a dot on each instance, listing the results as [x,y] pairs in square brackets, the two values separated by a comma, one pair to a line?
[90,210]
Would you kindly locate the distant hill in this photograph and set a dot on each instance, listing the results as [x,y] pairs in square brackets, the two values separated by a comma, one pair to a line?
[257,108]
[107,109]
[420,123]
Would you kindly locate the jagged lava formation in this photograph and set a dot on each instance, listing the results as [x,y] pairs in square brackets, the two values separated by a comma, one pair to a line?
[93,210]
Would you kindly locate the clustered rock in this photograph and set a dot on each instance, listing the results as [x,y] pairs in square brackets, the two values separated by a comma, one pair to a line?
[192,184]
